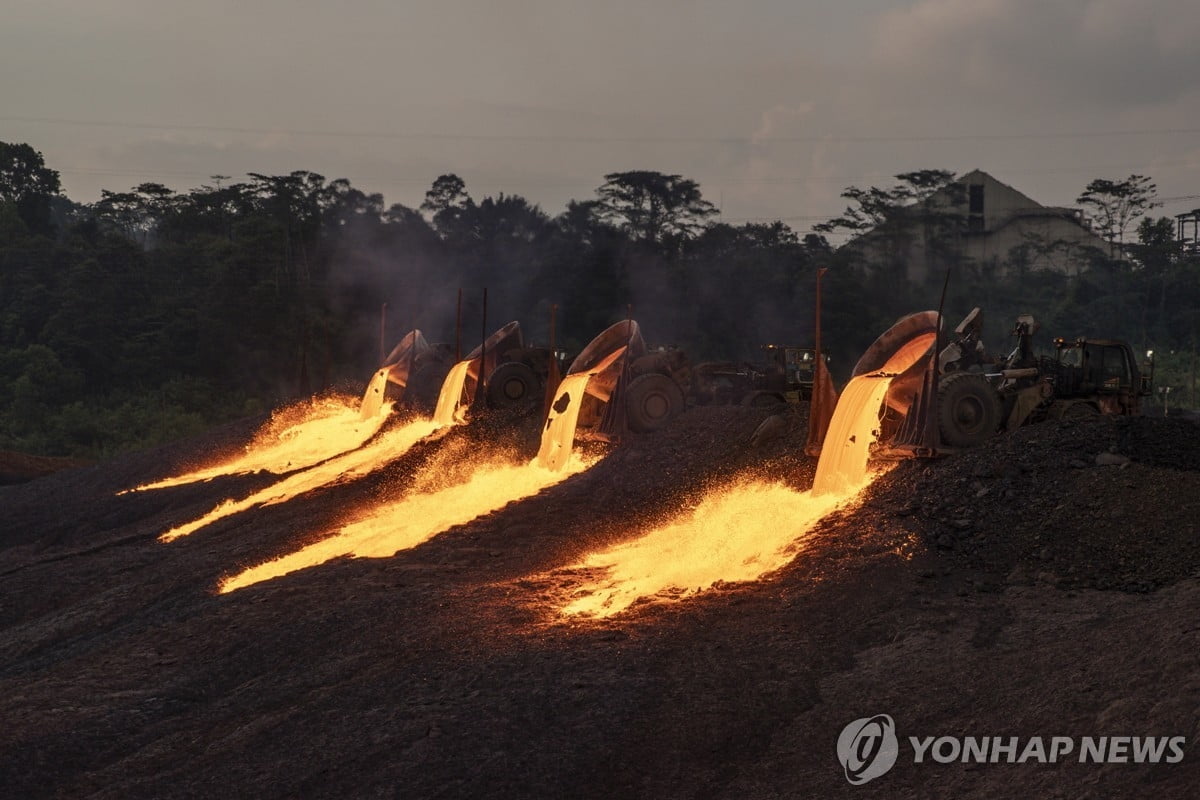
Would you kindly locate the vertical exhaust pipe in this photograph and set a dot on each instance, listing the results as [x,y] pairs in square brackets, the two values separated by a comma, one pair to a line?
[382,332]
[458,329]
[481,381]
[823,400]
[553,375]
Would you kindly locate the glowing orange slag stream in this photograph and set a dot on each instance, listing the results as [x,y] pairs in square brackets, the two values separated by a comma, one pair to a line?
[842,467]
[746,530]
[843,464]
[558,436]
[347,466]
[418,517]
[297,437]
[373,398]
[430,509]
[450,409]
[736,534]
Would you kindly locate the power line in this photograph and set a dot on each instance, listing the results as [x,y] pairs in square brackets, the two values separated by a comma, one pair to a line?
[593,139]
[722,181]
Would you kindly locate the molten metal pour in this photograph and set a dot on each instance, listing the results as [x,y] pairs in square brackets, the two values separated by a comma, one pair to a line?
[406,523]
[558,437]
[450,408]
[313,433]
[347,466]
[747,530]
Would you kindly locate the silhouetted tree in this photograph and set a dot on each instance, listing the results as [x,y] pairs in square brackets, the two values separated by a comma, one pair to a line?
[27,183]
[654,207]
[1115,205]
[924,206]
[445,202]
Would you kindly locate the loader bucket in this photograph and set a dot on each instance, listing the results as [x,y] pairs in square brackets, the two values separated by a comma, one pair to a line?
[905,351]
[603,413]
[589,402]
[395,370]
[462,382]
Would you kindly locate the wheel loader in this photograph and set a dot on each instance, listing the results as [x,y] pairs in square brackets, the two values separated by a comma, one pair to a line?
[414,371]
[411,375]
[515,372]
[785,376]
[966,395]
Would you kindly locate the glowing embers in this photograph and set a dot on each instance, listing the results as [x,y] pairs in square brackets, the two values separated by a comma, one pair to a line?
[425,512]
[390,445]
[737,534]
[297,437]
[745,531]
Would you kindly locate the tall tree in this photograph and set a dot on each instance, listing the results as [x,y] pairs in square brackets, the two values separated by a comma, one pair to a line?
[138,214]
[27,183]
[925,206]
[446,202]
[1157,253]
[1115,205]
[654,207]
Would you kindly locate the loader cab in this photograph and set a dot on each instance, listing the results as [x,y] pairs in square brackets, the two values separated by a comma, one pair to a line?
[1103,369]
[794,369]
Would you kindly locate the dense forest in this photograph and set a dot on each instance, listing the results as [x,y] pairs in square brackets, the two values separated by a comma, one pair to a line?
[152,314]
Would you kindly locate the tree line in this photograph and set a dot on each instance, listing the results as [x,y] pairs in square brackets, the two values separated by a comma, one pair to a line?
[152,313]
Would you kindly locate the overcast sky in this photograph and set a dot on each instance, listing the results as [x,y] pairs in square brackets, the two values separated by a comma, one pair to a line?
[773,106]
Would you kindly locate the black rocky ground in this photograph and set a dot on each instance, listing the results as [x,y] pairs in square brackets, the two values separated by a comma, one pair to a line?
[1044,584]
[1105,503]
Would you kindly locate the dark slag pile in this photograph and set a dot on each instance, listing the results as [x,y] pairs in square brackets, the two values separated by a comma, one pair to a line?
[1106,503]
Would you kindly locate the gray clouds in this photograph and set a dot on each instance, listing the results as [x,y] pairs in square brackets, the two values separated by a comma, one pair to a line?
[1100,53]
[772,106]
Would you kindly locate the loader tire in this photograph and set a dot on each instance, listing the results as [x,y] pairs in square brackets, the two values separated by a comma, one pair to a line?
[763,399]
[423,387]
[652,401]
[1080,410]
[968,409]
[512,383]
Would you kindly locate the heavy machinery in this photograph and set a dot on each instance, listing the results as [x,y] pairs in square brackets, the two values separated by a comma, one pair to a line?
[785,376]
[411,374]
[639,390]
[414,371]
[663,382]
[616,384]
[656,385]
[972,395]
[645,388]
[514,371]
